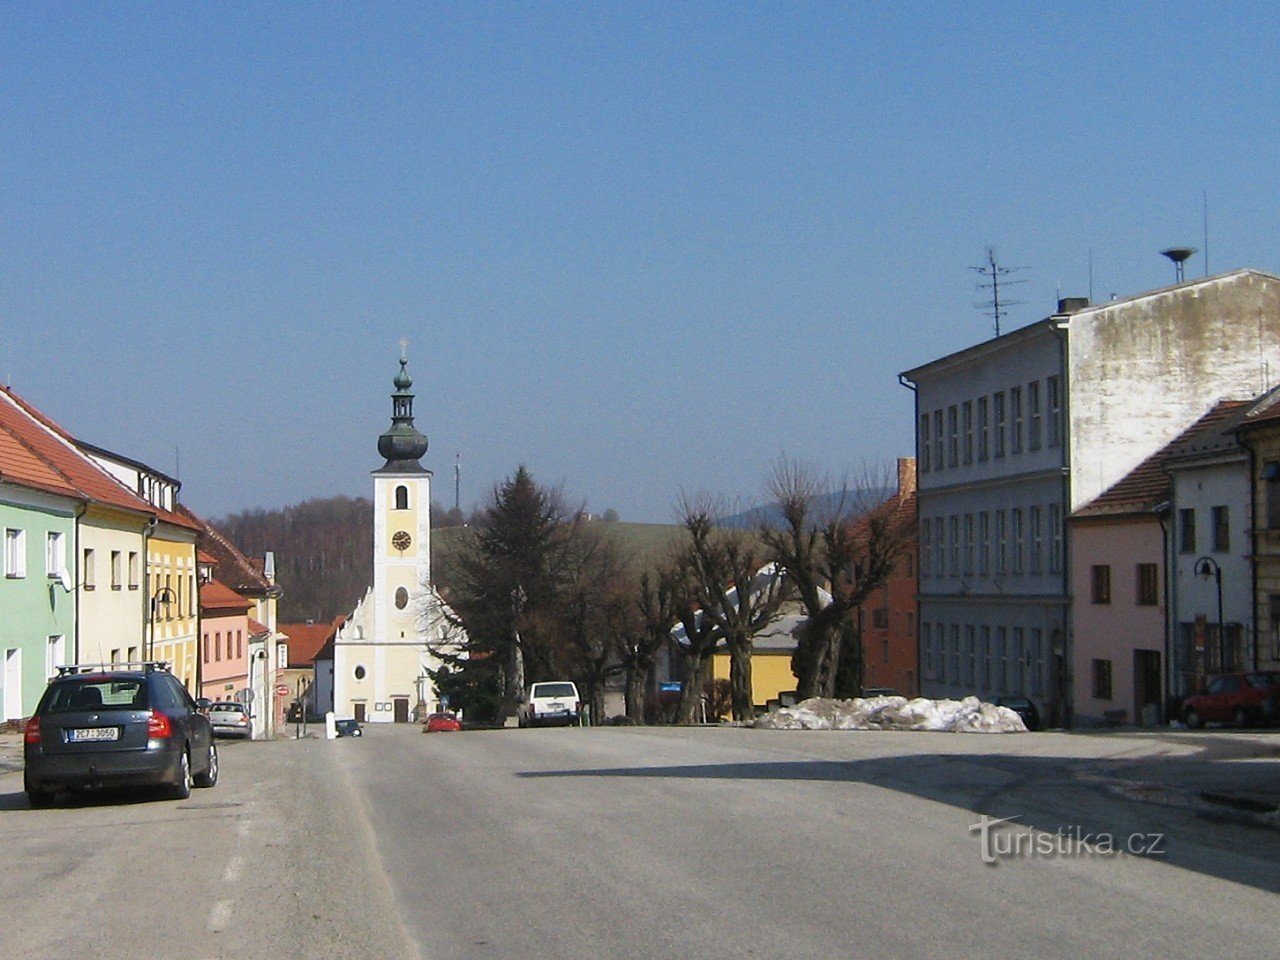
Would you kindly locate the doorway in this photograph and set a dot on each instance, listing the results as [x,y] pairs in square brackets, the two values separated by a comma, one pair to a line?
[1146,688]
[401,705]
[359,711]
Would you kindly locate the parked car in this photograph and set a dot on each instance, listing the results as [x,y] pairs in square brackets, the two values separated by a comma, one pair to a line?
[1023,708]
[348,728]
[868,692]
[550,702]
[231,719]
[102,727]
[1240,698]
[442,723]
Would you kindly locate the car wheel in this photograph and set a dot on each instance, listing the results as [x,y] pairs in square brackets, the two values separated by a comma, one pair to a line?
[1192,719]
[36,797]
[1240,717]
[209,777]
[182,788]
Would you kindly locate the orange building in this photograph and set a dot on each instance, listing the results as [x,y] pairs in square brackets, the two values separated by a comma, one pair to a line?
[888,619]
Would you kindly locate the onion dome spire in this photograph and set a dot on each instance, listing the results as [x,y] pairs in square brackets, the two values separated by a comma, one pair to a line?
[402,445]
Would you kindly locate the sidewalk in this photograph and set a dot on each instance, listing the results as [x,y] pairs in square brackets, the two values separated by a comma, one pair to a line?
[10,751]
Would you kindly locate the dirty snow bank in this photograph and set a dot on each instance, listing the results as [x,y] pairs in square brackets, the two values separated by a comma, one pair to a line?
[969,715]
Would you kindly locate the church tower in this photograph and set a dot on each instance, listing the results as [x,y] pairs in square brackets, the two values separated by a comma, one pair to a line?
[381,653]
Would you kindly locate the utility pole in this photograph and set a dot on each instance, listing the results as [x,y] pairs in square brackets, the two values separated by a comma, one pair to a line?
[457,481]
[995,277]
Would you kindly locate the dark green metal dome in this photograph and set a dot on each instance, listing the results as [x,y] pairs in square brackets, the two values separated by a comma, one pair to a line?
[402,445]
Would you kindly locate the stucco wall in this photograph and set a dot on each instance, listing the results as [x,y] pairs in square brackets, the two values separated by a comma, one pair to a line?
[1113,631]
[1142,370]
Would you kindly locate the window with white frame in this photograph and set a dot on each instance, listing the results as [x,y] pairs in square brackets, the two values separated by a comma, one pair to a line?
[997,402]
[926,548]
[1033,411]
[1002,659]
[939,545]
[55,554]
[88,575]
[117,570]
[970,655]
[1002,543]
[1054,386]
[1055,535]
[984,543]
[134,576]
[953,668]
[984,429]
[55,654]
[953,436]
[968,544]
[1037,539]
[954,566]
[984,662]
[15,553]
[1019,541]
[966,416]
[937,440]
[926,648]
[1015,419]
[924,443]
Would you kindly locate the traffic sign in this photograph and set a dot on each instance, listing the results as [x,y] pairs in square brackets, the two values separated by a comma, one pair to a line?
[282,691]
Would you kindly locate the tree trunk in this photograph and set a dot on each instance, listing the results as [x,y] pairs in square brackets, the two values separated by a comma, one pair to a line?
[740,680]
[597,704]
[850,670]
[635,693]
[691,694]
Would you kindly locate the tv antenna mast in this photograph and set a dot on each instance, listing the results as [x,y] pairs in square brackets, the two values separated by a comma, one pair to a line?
[994,278]
[457,481]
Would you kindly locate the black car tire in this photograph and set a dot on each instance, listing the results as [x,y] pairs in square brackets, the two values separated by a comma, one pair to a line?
[1192,719]
[182,788]
[37,798]
[209,777]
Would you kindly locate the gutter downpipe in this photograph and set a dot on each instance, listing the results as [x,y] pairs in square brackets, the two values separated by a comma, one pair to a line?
[915,433]
[75,587]
[1065,684]
[1164,511]
[1253,536]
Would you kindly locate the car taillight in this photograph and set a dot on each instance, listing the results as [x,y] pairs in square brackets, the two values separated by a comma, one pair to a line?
[158,726]
[32,732]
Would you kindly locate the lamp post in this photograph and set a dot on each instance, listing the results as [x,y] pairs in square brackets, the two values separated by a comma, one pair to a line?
[1207,567]
[166,596]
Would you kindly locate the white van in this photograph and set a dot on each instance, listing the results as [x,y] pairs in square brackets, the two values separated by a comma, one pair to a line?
[554,701]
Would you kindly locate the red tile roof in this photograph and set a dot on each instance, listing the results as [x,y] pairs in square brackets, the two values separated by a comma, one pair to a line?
[307,639]
[55,447]
[1147,486]
[218,596]
[256,628]
[234,568]
[20,464]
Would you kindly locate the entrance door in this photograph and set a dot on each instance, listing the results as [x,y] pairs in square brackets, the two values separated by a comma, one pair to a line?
[402,709]
[1146,687]
[360,712]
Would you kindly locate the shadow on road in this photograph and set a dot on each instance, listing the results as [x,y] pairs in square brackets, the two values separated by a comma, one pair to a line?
[1052,794]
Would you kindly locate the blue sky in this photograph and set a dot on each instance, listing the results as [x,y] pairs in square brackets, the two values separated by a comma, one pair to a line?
[643,249]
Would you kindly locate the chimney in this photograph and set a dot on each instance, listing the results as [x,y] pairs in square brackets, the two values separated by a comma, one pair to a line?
[1072,304]
[906,477]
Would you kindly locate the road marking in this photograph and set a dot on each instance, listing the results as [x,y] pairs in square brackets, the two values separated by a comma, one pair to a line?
[234,869]
[219,916]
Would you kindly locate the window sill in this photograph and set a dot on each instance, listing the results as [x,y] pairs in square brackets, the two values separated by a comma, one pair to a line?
[89,586]
[116,586]
[133,586]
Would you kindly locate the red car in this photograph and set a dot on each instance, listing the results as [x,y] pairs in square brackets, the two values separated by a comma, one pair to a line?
[442,722]
[1241,698]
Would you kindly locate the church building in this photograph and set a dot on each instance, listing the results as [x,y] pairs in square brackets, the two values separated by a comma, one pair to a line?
[382,653]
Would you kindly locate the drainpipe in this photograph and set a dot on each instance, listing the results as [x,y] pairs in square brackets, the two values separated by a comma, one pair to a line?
[915,443]
[1164,513]
[1253,538]
[75,587]
[148,611]
[1065,672]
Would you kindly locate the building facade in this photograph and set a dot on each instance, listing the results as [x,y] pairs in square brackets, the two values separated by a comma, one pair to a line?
[1015,433]
[383,652]
[1259,432]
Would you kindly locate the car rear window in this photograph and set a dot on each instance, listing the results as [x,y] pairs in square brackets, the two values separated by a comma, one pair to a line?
[78,696]
[554,690]
[225,707]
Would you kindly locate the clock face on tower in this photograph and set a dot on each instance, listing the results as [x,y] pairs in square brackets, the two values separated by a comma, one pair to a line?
[401,540]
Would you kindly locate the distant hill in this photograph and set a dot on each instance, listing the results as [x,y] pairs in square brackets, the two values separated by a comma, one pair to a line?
[770,515]
[324,550]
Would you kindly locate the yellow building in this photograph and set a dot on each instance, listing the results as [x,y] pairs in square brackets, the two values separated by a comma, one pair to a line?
[771,674]
[172,599]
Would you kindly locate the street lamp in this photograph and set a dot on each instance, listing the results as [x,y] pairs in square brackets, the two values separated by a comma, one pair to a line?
[163,595]
[1207,567]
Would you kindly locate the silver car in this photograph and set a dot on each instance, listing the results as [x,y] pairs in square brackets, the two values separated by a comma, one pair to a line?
[230,719]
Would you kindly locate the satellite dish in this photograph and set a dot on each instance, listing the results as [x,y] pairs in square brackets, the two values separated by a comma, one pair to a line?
[64,578]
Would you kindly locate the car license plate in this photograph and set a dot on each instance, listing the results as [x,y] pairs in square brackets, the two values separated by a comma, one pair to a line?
[87,734]
[554,707]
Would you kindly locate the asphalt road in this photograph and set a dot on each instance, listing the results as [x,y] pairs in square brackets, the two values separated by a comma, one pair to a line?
[654,843]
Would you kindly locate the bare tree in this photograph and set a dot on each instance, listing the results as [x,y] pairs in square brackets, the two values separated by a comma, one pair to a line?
[641,631]
[739,591]
[836,550]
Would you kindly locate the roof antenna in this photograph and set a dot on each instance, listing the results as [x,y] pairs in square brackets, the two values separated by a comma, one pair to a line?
[1179,256]
[995,274]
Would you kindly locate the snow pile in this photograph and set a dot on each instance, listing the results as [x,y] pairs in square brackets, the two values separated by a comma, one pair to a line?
[969,715]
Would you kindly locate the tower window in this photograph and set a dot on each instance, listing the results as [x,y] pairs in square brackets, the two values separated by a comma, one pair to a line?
[402,598]
[402,497]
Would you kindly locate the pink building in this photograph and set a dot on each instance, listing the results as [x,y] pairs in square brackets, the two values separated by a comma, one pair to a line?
[224,640]
[1119,576]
